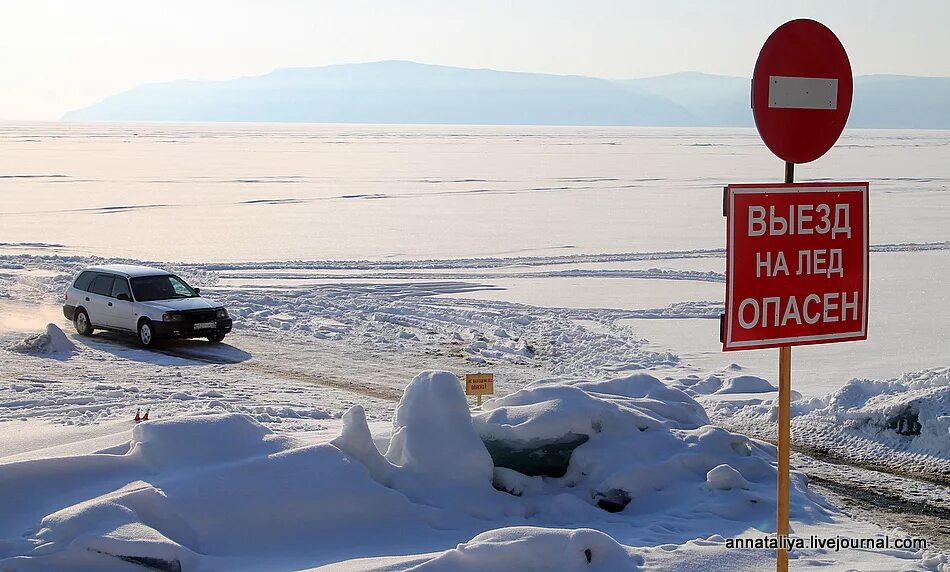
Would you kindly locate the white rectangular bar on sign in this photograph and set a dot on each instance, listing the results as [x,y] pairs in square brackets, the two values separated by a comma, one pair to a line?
[802,92]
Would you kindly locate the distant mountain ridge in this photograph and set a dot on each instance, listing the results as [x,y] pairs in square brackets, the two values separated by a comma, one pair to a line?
[413,93]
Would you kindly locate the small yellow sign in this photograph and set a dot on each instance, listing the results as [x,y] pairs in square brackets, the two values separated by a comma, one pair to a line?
[479,384]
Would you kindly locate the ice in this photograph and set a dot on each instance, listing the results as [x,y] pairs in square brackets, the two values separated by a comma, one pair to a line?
[552,176]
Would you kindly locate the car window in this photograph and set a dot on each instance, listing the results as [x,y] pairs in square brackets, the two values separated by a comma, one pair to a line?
[121,286]
[84,280]
[163,287]
[181,289]
[102,285]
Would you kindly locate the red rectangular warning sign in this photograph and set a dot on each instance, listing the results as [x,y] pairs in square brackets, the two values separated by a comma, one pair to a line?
[796,264]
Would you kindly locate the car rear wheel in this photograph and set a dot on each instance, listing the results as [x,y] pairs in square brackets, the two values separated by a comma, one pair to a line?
[147,334]
[82,323]
[215,338]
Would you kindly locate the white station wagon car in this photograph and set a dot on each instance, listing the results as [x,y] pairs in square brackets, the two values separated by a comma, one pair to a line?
[150,303]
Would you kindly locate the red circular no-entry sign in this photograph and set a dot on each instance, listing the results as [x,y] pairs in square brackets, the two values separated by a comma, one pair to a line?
[801,91]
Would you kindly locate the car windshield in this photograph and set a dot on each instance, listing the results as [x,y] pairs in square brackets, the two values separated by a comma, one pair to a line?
[164,287]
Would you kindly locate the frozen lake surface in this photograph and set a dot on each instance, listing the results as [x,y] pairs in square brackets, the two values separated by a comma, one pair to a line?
[582,266]
[569,218]
[279,192]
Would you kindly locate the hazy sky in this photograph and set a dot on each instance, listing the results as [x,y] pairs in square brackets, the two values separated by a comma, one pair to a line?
[61,55]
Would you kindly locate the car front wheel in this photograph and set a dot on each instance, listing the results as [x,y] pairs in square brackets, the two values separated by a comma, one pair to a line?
[147,334]
[215,338]
[82,323]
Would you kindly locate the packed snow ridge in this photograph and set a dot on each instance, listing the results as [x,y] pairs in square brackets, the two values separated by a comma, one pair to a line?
[53,343]
[222,492]
[720,385]
[902,423]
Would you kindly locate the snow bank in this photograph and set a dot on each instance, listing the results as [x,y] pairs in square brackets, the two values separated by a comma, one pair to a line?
[435,456]
[222,492]
[646,448]
[187,441]
[357,443]
[53,343]
[535,430]
[745,384]
[724,477]
[433,437]
[190,489]
[901,423]
[716,385]
[526,548]
[434,452]
[551,410]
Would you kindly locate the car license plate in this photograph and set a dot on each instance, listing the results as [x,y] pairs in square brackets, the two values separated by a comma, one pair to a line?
[205,325]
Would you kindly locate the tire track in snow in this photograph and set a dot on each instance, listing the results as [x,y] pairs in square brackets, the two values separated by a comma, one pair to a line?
[377,391]
[200,353]
[910,503]
[258,366]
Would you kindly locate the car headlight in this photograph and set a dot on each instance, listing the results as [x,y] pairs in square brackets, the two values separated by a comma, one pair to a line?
[222,313]
[172,317]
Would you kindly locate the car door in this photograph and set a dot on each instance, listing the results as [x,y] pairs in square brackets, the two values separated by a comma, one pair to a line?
[119,307]
[97,298]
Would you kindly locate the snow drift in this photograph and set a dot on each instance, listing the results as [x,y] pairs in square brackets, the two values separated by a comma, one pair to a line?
[648,447]
[902,423]
[717,385]
[746,384]
[222,492]
[190,490]
[516,549]
[53,342]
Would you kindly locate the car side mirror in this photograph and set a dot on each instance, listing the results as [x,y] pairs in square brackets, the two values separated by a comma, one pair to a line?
[124,296]
[197,290]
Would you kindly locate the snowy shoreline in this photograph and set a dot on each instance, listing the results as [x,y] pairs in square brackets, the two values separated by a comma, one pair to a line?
[309,347]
